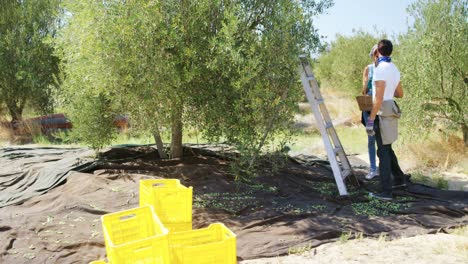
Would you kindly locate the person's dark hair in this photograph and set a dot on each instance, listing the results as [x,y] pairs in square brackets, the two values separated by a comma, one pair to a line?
[385,47]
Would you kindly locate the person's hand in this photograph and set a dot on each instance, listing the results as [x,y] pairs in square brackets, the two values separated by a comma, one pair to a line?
[364,91]
[370,127]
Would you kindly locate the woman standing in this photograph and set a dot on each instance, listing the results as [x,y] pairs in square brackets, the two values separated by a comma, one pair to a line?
[367,88]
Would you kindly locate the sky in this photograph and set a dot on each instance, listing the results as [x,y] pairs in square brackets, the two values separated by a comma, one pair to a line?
[387,16]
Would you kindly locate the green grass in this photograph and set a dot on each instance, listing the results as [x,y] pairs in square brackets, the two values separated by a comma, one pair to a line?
[124,139]
[299,249]
[461,231]
[63,138]
[41,140]
[189,136]
[435,180]
[353,139]
[434,150]
[383,237]
[345,237]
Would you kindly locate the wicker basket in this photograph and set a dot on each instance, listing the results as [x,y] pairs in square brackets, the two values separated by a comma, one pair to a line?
[364,102]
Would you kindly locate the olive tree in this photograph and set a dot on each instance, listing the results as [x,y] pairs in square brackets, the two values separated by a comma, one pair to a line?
[225,67]
[27,61]
[341,65]
[433,59]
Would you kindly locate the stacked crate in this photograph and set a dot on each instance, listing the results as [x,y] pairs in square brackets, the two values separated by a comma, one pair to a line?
[171,200]
[135,235]
[160,230]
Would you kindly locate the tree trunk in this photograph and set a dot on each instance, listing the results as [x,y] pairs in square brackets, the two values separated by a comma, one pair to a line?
[176,138]
[159,144]
[465,134]
[16,112]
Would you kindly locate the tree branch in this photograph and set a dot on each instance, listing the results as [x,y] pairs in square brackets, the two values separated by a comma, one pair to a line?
[441,77]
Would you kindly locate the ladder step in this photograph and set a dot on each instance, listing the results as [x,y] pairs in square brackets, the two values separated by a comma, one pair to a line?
[337,149]
[346,173]
[330,137]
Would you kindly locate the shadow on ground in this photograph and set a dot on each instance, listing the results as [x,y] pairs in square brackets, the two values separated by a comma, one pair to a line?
[64,193]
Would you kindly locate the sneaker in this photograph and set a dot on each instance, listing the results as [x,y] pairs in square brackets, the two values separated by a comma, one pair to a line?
[408,177]
[372,174]
[381,196]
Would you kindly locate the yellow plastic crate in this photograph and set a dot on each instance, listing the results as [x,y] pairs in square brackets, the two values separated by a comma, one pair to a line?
[171,200]
[215,244]
[135,236]
[178,227]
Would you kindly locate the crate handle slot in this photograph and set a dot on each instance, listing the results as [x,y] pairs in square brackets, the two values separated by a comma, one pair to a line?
[158,184]
[126,217]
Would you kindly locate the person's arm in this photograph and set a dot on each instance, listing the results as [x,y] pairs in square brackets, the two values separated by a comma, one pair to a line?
[365,80]
[379,93]
[399,91]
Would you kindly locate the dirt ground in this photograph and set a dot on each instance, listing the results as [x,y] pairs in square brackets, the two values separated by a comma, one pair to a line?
[422,249]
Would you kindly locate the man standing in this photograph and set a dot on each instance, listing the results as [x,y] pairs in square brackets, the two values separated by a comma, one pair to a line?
[383,120]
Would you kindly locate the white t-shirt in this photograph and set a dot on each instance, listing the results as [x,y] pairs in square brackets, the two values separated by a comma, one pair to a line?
[388,72]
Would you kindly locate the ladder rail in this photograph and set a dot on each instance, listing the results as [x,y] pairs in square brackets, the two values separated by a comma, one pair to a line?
[323,109]
[326,116]
[328,147]
[334,135]
[329,136]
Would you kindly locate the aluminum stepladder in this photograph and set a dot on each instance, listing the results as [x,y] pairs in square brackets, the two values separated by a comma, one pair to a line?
[330,137]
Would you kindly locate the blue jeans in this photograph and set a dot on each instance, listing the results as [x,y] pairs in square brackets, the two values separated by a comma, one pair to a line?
[370,145]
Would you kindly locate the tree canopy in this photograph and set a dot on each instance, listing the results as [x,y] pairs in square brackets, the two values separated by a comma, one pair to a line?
[224,67]
[433,59]
[341,65]
[27,63]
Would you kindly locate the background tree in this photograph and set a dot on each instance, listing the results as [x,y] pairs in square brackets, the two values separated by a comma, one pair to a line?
[27,63]
[433,59]
[225,67]
[341,65]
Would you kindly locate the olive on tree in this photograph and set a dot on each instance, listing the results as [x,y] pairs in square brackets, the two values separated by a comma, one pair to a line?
[227,68]
[27,62]
[434,61]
